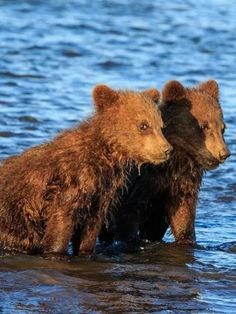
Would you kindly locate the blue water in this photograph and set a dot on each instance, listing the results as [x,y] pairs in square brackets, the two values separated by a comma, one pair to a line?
[52,53]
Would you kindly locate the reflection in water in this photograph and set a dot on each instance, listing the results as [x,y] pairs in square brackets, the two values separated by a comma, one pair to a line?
[163,277]
[139,281]
[52,53]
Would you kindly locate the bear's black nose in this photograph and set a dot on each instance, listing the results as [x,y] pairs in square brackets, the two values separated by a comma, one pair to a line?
[168,150]
[224,154]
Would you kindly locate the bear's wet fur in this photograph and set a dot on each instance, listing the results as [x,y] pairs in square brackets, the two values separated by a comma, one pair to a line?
[166,195]
[61,190]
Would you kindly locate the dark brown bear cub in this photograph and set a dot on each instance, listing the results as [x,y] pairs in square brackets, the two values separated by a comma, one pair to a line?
[61,190]
[167,194]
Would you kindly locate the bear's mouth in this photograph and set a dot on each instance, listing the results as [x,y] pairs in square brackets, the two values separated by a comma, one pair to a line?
[163,158]
[210,163]
[157,160]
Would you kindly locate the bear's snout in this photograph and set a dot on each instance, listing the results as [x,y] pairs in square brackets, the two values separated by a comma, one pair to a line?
[224,154]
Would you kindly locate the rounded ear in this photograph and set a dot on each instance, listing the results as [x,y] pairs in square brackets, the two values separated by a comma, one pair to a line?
[210,87]
[104,96]
[153,93]
[173,91]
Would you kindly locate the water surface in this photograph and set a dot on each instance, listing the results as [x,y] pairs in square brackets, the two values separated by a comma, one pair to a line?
[52,54]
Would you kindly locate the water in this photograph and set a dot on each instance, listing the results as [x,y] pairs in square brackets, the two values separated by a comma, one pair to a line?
[52,54]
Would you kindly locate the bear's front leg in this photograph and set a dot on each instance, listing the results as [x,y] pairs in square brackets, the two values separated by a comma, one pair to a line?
[58,233]
[154,221]
[154,226]
[107,235]
[182,220]
[88,236]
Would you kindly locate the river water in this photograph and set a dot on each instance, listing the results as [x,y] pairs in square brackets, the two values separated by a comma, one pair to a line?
[51,55]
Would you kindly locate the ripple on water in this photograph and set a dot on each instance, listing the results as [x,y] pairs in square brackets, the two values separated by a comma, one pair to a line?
[28,119]
[6,134]
[21,75]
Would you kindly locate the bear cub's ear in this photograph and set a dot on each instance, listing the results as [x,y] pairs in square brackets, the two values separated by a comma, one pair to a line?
[153,93]
[104,96]
[173,91]
[210,87]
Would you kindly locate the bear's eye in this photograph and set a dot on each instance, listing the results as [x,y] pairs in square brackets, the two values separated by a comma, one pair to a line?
[144,126]
[204,126]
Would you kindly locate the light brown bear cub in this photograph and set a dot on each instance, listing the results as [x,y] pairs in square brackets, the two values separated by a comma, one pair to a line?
[62,190]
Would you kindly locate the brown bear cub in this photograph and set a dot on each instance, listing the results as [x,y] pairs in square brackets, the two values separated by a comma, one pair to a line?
[62,190]
[166,195]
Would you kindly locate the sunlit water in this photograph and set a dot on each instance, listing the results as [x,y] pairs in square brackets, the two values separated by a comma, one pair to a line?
[51,55]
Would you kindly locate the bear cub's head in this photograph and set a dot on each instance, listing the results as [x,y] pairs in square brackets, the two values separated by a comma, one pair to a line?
[194,121]
[131,123]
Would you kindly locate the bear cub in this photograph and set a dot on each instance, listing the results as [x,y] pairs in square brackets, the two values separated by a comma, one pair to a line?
[62,190]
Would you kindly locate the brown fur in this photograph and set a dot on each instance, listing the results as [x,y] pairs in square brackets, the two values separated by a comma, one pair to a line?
[167,194]
[62,189]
